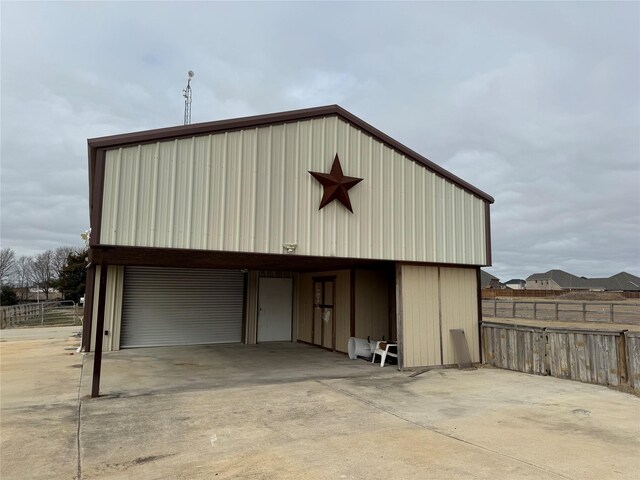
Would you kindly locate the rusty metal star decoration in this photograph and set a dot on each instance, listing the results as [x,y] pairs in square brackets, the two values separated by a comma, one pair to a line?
[336,185]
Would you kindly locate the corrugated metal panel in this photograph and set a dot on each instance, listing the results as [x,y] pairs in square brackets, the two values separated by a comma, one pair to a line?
[112,308]
[434,301]
[372,304]
[252,308]
[171,306]
[305,308]
[459,309]
[343,310]
[249,190]
[420,316]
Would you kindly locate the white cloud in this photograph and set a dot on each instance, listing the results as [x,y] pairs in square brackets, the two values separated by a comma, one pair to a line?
[535,103]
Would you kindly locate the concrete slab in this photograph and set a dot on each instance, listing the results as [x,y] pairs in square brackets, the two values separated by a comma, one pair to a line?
[141,371]
[291,411]
[38,333]
[39,378]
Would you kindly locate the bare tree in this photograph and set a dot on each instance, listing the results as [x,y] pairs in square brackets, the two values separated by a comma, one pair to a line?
[22,276]
[59,259]
[42,274]
[7,265]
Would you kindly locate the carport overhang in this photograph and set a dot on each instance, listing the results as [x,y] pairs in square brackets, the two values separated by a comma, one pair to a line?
[112,255]
[184,258]
[115,255]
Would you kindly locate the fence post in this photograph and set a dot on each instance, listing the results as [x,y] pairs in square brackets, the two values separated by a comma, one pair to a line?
[611,314]
[557,303]
[513,309]
[495,307]
[584,312]
[535,310]
[42,315]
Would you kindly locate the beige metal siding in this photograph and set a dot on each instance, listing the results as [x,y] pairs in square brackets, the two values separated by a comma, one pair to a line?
[372,304]
[305,308]
[249,190]
[112,309]
[342,307]
[434,301]
[459,309]
[420,316]
[251,308]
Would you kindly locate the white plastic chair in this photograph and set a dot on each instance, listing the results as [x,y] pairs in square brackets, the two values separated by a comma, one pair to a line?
[383,352]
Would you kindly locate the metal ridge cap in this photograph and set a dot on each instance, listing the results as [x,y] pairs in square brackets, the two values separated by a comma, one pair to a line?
[210,127]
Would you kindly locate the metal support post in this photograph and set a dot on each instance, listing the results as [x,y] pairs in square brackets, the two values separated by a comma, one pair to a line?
[97,354]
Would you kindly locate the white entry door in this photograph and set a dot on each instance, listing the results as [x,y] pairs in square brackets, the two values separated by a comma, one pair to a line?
[275,306]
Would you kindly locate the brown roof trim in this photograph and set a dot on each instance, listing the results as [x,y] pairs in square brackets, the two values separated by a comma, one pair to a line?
[487,233]
[212,127]
[413,155]
[96,195]
[189,258]
[275,118]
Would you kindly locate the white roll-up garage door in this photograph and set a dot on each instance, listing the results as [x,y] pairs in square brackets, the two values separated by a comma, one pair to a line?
[180,306]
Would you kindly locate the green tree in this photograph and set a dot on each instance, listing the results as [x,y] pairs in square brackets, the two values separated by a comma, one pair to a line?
[72,276]
[8,296]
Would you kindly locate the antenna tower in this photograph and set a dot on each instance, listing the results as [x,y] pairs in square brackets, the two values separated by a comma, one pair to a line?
[186,93]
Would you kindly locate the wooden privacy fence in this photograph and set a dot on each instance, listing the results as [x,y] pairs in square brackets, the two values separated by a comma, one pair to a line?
[514,347]
[604,357]
[591,356]
[632,340]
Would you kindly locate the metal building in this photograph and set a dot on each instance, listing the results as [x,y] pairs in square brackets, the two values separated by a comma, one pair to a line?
[309,226]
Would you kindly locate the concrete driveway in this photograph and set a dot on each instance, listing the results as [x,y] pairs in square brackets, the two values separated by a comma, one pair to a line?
[292,411]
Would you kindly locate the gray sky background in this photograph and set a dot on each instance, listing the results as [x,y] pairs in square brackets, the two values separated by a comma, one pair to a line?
[538,104]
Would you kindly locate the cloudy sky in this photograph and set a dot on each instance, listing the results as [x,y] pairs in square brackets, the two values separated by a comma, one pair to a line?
[537,104]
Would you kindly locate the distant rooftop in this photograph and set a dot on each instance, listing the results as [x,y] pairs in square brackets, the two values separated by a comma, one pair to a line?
[622,281]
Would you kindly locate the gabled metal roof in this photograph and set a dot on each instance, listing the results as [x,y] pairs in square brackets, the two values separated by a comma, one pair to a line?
[150,136]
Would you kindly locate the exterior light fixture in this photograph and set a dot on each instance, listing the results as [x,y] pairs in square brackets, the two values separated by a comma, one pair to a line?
[290,247]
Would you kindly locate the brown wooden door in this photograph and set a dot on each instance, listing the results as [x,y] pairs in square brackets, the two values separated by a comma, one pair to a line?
[324,320]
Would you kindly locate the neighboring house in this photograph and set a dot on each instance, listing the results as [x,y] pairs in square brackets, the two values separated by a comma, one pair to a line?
[516,284]
[561,280]
[555,280]
[620,282]
[489,281]
[308,226]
